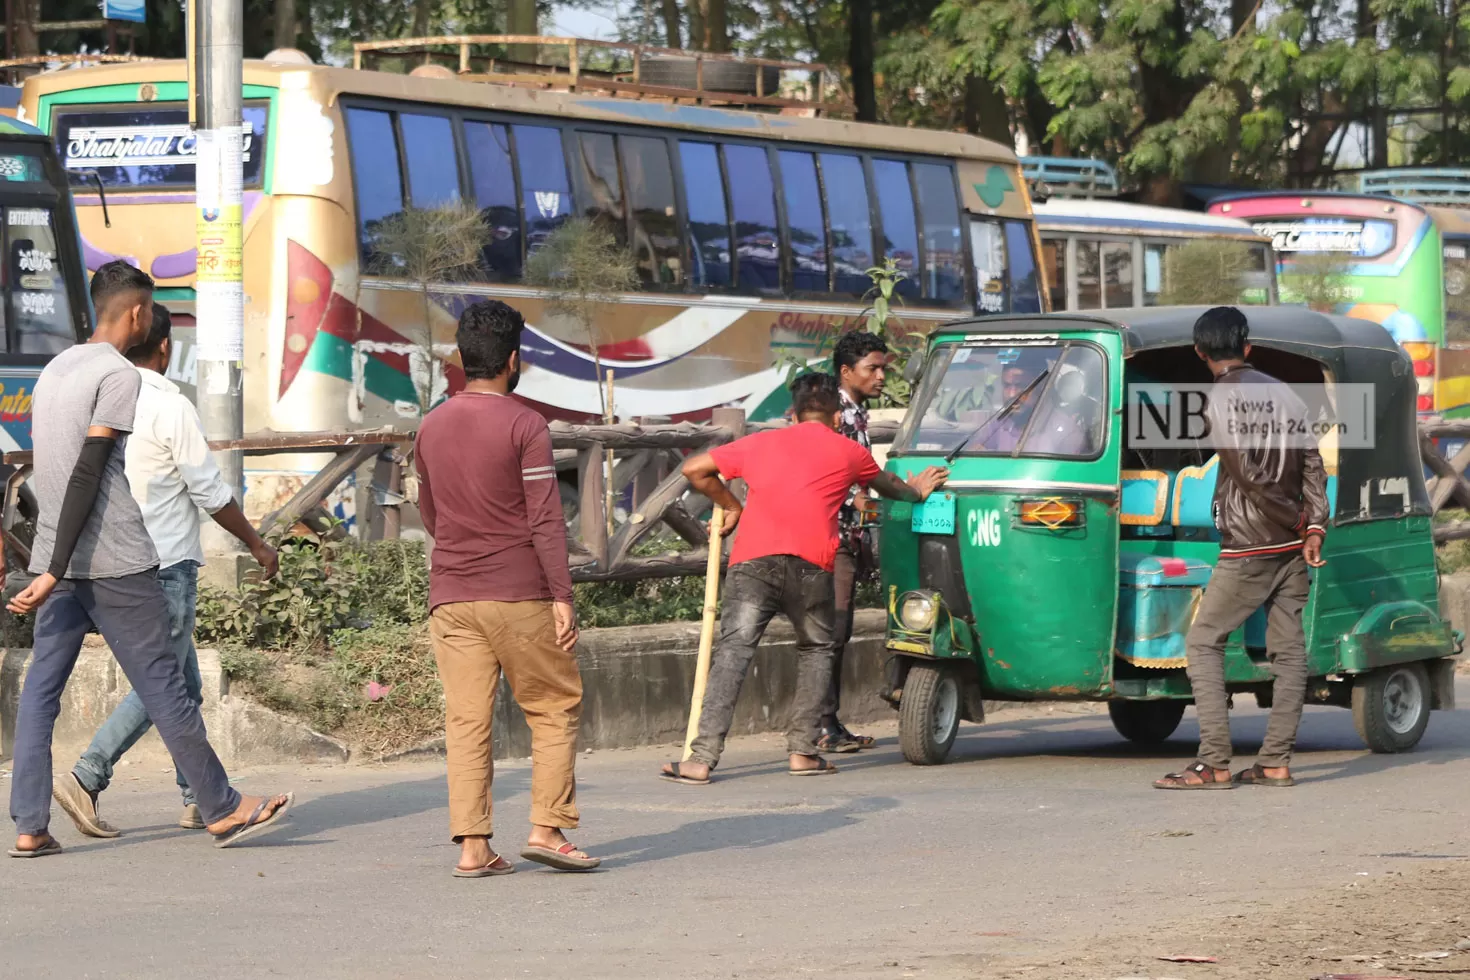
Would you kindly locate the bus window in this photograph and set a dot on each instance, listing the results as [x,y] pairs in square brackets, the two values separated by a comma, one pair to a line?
[850,220]
[599,190]
[35,270]
[804,225]
[1153,273]
[1025,287]
[374,171]
[939,203]
[546,194]
[900,229]
[1456,292]
[493,179]
[757,241]
[1054,259]
[433,168]
[655,235]
[1118,280]
[1089,283]
[987,243]
[709,217]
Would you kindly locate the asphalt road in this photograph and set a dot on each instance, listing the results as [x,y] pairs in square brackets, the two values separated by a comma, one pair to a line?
[1042,832]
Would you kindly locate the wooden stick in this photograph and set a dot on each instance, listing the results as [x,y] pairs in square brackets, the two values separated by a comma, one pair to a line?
[608,485]
[706,629]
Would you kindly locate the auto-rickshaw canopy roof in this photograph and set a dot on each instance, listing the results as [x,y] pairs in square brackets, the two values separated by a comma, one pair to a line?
[1352,351]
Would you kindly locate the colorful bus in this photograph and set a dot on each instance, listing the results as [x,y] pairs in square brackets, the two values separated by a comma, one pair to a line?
[1389,270]
[1445,194]
[43,288]
[751,231]
[1107,254]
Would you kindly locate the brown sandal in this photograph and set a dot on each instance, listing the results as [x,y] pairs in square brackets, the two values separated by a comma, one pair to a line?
[1256,776]
[1206,775]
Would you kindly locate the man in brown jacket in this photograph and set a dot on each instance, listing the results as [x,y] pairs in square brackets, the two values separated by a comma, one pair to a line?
[1271,511]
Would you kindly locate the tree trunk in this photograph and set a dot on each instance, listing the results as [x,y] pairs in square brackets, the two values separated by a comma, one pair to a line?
[520,18]
[695,10]
[285,11]
[986,113]
[671,24]
[716,28]
[860,58]
[422,11]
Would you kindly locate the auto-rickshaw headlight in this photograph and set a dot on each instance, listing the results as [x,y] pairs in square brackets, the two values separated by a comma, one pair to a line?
[918,611]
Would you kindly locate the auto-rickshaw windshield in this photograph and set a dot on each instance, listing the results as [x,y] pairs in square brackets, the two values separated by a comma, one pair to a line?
[1003,400]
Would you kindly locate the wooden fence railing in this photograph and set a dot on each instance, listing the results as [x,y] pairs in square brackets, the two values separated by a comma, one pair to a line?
[644,486]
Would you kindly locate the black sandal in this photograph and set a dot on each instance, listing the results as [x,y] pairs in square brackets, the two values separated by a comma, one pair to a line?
[673,775]
[839,741]
[1207,777]
[257,823]
[823,768]
[1256,776]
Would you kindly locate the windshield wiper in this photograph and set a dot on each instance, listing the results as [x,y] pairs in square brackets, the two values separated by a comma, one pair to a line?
[1009,407]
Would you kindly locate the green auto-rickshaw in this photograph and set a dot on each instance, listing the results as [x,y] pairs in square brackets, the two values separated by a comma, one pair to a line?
[1062,562]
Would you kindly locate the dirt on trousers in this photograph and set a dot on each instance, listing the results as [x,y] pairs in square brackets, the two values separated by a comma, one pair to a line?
[1413,924]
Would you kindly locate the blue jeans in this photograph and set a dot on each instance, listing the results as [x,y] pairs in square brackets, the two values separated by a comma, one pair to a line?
[131,613]
[129,720]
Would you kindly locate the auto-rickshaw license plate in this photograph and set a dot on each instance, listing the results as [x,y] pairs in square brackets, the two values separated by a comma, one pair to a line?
[935,515]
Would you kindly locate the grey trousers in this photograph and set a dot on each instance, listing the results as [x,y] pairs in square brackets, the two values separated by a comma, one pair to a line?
[755,591]
[131,613]
[844,582]
[1238,587]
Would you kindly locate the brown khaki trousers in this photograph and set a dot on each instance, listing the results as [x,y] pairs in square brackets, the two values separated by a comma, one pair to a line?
[473,643]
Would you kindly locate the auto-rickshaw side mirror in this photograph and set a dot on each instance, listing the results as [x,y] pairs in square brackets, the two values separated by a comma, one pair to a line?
[914,367]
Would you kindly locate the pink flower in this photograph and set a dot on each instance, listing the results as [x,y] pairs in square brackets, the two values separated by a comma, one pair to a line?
[377,692]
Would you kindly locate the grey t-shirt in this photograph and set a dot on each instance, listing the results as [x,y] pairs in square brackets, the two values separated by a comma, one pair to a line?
[87,385]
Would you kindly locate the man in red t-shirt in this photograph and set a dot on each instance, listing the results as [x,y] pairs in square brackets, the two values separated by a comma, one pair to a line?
[782,561]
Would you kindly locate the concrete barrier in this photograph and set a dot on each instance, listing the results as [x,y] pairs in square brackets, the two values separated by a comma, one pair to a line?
[636,681]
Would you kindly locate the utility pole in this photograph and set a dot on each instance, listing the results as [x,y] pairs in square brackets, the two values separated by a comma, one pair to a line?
[216,79]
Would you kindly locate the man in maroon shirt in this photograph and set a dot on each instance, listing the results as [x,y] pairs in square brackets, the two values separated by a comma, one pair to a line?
[500,594]
[782,561]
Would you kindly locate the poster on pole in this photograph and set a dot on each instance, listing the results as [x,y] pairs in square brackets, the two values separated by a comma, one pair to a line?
[129,10]
[219,289]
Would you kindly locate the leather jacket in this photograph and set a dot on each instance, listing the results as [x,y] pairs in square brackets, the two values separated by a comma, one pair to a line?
[1270,493]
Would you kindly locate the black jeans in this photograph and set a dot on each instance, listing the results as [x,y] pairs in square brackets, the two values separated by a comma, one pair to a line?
[845,573]
[754,592]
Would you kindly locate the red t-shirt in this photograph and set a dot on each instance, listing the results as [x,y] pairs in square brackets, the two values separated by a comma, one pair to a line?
[799,477]
[489,498]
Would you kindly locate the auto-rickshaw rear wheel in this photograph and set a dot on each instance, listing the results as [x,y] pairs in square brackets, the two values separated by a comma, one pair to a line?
[1146,722]
[1391,707]
[929,713]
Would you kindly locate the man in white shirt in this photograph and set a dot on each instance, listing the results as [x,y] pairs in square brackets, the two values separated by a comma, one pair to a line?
[173,476]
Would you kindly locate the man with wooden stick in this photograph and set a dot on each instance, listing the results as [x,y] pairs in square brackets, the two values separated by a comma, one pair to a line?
[782,561]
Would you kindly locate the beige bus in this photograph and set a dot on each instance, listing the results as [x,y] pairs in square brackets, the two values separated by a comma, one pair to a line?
[752,231]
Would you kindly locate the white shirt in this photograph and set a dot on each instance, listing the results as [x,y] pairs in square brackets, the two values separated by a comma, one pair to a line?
[171,471]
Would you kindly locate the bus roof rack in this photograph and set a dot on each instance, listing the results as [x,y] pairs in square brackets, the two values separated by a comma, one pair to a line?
[1422,185]
[616,68]
[1070,177]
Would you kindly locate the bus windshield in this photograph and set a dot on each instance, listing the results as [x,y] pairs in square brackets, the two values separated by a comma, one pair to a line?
[145,147]
[994,400]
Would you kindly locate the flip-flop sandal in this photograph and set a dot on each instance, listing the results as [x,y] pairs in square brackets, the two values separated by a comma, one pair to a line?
[1256,776]
[678,777]
[52,846]
[824,769]
[500,866]
[255,824]
[560,858]
[838,743]
[863,741]
[1177,780]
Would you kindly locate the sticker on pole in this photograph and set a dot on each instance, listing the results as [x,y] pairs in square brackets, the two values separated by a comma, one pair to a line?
[935,515]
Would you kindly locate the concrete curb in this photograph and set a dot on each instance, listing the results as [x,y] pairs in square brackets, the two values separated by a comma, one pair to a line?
[636,680]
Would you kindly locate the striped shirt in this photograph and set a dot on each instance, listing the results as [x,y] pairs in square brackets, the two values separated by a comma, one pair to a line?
[490,499]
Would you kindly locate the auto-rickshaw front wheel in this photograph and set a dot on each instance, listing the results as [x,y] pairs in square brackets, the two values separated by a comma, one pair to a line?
[1391,707]
[1146,722]
[929,714]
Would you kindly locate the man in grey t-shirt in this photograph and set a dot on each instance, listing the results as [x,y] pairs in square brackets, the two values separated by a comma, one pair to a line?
[95,568]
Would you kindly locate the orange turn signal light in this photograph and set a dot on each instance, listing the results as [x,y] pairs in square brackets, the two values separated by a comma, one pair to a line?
[1051,512]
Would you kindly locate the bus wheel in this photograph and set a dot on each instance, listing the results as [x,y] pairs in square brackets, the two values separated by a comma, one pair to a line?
[1146,722]
[1391,707]
[928,714]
